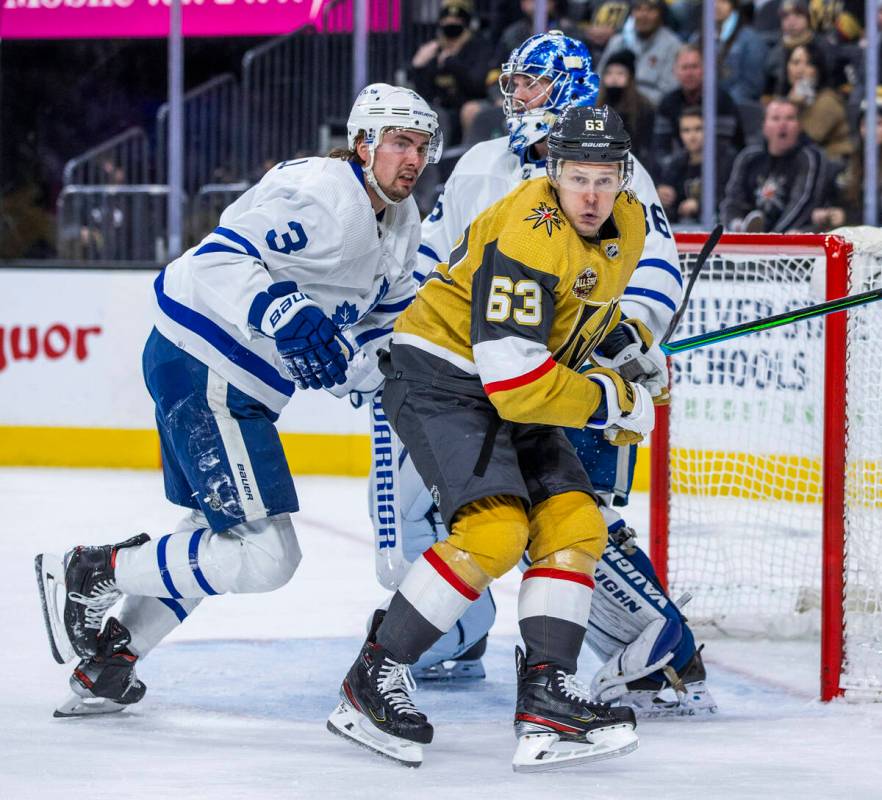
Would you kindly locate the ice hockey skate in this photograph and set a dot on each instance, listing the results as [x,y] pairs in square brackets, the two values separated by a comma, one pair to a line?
[683,695]
[76,594]
[106,682]
[375,709]
[468,666]
[557,726]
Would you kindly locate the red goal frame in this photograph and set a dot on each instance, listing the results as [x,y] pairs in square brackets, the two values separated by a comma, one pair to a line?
[837,252]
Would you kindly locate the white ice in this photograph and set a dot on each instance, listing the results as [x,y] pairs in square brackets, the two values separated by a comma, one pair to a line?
[238,696]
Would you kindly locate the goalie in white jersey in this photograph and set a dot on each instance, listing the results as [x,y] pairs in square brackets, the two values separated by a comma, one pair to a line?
[296,288]
[634,627]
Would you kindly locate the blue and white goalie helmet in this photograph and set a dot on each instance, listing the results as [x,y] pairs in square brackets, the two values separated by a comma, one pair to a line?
[563,66]
[380,107]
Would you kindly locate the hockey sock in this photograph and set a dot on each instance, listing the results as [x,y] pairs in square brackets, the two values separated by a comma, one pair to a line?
[553,607]
[431,599]
[253,556]
[150,619]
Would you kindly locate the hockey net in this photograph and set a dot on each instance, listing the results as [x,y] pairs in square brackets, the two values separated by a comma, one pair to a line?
[767,469]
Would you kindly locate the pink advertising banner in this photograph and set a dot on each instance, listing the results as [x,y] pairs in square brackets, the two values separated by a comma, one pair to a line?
[80,19]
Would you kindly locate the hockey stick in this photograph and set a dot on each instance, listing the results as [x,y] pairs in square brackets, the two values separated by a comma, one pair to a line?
[776,321]
[703,256]
[385,488]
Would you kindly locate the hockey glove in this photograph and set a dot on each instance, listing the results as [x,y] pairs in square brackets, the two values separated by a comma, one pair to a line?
[630,351]
[624,410]
[307,341]
[362,379]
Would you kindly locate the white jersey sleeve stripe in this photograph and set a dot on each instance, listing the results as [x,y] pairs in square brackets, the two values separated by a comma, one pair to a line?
[660,263]
[510,357]
[220,340]
[659,297]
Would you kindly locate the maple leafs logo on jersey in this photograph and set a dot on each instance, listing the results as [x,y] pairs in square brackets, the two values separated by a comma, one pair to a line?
[545,215]
[345,315]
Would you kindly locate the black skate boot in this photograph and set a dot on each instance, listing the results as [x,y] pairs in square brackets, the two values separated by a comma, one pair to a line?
[106,682]
[375,708]
[682,694]
[557,725]
[91,589]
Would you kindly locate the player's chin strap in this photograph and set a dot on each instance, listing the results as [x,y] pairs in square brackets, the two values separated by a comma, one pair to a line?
[373,182]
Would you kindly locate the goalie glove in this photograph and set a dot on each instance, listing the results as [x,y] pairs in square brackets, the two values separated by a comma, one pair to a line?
[307,341]
[629,350]
[625,409]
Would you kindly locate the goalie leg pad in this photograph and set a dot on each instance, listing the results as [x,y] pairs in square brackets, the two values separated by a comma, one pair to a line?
[649,652]
[628,599]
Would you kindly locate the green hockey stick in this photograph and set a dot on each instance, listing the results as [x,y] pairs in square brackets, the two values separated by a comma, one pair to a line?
[776,321]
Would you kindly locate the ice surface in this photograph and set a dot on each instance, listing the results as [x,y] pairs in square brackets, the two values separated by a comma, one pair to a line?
[238,696]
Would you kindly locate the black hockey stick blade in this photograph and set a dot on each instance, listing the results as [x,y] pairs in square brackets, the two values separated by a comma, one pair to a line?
[703,256]
[776,321]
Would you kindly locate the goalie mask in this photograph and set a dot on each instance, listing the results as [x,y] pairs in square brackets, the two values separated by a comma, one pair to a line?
[589,136]
[563,66]
[380,107]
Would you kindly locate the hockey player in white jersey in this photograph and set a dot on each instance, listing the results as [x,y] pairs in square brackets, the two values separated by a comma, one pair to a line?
[296,288]
[649,654]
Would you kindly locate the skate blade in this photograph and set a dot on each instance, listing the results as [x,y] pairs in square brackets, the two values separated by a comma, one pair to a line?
[451,671]
[76,706]
[539,752]
[698,701]
[345,721]
[53,595]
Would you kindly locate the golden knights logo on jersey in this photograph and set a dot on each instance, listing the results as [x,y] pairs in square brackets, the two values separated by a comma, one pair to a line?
[545,215]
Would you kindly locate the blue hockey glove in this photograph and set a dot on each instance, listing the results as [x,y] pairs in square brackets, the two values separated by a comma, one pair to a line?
[308,342]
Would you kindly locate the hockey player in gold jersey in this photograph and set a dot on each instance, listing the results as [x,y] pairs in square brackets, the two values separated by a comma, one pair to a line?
[498,350]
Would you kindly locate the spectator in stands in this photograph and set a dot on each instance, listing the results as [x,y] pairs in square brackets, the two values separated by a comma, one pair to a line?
[680,181]
[839,21]
[775,186]
[605,19]
[654,45]
[850,209]
[450,69]
[689,73]
[796,29]
[618,90]
[766,20]
[740,53]
[522,29]
[821,109]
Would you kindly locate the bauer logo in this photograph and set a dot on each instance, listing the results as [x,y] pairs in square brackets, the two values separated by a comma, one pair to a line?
[31,343]
[385,475]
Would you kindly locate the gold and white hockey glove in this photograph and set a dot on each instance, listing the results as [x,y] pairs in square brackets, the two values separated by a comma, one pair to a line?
[629,350]
[625,410]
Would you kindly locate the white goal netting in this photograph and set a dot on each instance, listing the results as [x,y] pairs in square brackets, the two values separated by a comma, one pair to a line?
[746,453]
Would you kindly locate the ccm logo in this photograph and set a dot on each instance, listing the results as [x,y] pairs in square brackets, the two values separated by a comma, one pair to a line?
[26,343]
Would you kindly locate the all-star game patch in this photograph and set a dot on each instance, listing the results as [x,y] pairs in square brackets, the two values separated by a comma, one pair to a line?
[545,215]
[585,282]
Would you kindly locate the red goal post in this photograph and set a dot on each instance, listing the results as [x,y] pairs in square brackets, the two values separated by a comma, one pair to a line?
[744,503]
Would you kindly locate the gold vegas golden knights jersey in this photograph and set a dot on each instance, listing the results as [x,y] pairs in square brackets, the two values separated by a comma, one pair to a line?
[523,303]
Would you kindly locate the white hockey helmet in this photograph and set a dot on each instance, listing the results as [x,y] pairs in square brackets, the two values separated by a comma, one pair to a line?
[380,107]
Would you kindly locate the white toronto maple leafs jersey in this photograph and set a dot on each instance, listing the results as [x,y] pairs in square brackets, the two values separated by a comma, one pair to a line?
[308,221]
[489,171]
